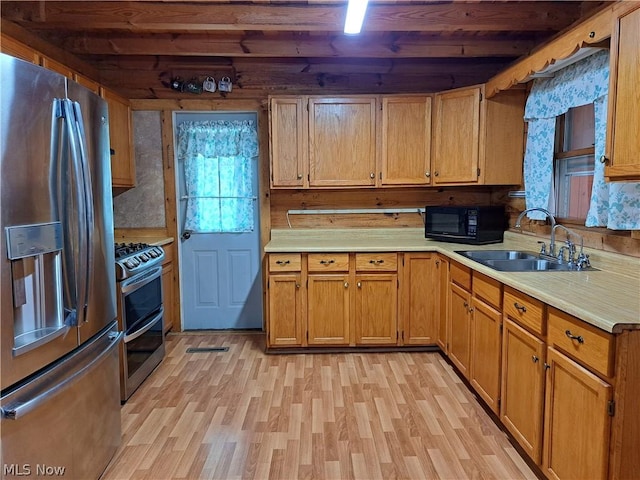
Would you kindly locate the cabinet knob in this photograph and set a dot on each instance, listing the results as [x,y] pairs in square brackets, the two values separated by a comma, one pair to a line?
[359,284]
[471,310]
[299,176]
[604,159]
[427,174]
[534,358]
[346,284]
[546,366]
[297,285]
[436,173]
[372,175]
[465,304]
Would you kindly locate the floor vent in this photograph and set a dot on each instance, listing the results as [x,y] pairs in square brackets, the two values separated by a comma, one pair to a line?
[207,349]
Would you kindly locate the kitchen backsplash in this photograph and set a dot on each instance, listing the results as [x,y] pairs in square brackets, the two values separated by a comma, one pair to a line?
[143,206]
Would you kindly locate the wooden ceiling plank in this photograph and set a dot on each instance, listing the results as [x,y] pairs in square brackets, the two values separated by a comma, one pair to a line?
[170,16]
[369,46]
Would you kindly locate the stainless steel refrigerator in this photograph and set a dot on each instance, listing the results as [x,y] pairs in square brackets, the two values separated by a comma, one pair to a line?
[59,400]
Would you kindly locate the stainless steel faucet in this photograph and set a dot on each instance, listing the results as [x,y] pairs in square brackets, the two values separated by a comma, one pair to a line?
[552,245]
[569,245]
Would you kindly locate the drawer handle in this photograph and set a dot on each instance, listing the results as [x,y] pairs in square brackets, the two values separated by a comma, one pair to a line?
[579,338]
[327,262]
[520,308]
[378,262]
[283,262]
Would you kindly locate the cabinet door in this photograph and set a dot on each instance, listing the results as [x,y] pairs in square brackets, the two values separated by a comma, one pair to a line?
[328,309]
[623,141]
[19,50]
[406,141]
[288,142]
[577,423]
[442,266]
[58,67]
[456,136]
[523,357]
[123,173]
[420,294]
[485,352]
[167,295]
[460,328]
[285,310]
[342,142]
[376,312]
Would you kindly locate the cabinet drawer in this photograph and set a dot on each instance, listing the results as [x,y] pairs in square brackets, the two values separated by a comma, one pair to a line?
[285,262]
[585,343]
[328,262]
[525,310]
[488,289]
[376,262]
[460,275]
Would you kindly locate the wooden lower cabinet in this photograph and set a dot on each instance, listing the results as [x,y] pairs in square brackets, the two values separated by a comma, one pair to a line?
[285,298]
[328,305]
[420,297]
[485,355]
[523,370]
[577,423]
[459,327]
[167,295]
[376,309]
[442,267]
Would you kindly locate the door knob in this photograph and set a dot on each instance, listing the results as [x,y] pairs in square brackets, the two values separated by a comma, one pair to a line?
[186,235]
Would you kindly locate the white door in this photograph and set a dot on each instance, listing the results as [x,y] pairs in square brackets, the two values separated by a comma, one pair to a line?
[217,176]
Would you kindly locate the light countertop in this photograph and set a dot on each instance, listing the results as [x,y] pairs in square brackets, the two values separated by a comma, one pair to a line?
[608,298]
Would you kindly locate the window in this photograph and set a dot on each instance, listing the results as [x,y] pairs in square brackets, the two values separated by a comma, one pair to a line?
[574,162]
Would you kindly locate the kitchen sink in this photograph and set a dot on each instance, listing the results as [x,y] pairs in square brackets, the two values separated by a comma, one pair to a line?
[484,255]
[519,261]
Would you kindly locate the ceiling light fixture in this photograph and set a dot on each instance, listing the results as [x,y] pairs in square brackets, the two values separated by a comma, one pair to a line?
[355,15]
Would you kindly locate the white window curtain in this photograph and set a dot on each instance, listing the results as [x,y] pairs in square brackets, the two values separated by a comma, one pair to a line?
[614,205]
[218,158]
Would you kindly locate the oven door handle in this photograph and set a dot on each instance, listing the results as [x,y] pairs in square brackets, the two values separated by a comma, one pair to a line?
[145,328]
[140,280]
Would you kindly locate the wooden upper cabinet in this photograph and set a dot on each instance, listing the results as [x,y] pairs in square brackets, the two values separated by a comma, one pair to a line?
[406,140]
[288,142]
[623,141]
[123,173]
[342,141]
[19,50]
[87,83]
[478,140]
[456,136]
[55,66]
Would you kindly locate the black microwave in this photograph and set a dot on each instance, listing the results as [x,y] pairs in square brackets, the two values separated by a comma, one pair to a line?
[459,224]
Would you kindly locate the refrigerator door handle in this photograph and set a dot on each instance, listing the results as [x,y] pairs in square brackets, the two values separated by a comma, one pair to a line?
[81,263]
[20,408]
[84,182]
[61,202]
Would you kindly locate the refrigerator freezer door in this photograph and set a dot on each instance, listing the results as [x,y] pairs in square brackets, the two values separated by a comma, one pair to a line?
[66,420]
[29,177]
[101,284]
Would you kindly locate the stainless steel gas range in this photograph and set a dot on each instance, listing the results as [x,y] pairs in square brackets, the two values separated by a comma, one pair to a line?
[140,312]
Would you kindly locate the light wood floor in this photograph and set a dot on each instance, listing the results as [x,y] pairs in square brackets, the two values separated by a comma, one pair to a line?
[242,414]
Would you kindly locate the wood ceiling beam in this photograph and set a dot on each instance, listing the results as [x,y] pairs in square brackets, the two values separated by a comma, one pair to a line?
[293,45]
[208,17]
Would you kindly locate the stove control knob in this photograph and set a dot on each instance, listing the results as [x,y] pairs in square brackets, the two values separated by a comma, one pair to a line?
[144,257]
[129,264]
[152,253]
